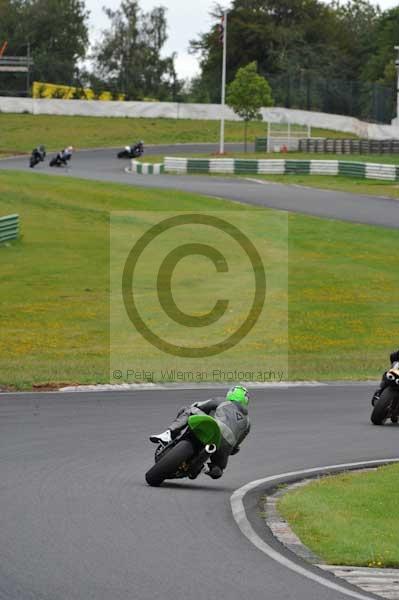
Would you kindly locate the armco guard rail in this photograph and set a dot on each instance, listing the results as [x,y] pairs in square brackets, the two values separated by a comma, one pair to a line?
[9,228]
[240,166]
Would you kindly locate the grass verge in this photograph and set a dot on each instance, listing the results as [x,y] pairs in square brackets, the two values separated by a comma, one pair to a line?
[348,519]
[54,284]
[339,183]
[21,133]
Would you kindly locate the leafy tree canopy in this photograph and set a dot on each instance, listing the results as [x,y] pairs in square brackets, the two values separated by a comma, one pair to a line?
[309,40]
[56,31]
[248,92]
[129,56]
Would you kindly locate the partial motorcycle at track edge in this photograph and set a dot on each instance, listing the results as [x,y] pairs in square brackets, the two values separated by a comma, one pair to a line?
[386,405]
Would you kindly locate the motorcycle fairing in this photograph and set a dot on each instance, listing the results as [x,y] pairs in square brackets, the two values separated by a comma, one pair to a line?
[205,429]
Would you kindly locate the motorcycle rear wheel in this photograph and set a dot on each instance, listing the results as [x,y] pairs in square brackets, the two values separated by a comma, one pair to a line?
[381,410]
[169,463]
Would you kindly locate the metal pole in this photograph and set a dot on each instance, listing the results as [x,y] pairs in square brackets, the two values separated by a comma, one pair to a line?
[28,72]
[268,137]
[223,103]
[397,86]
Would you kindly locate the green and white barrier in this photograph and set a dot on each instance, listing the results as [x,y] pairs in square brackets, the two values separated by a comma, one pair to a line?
[9,228]
[240,166]
[146,168]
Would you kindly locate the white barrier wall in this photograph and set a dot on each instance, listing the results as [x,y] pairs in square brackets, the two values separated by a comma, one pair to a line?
[174,110]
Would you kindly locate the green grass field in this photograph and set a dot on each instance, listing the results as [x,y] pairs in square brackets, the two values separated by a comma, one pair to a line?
[196,287]
[340,183]
[54,284]
[348,519]
[20,133]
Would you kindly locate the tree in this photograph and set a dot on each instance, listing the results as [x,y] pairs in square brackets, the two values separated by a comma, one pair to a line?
[129,57]
[281,35]
[315,55]
[57,33]
[247,94]
[380,62]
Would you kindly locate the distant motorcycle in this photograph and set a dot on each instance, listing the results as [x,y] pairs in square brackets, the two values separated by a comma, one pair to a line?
[62,158]
[134,151]
[186,455]
[387,406]
[38,155]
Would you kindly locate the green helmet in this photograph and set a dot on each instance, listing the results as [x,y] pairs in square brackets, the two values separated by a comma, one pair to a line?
[238,394]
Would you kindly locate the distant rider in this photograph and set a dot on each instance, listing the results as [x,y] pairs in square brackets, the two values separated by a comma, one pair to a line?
[38,155]
[137,149]
[394,357]
[66,154]
[39,152]
[230,412]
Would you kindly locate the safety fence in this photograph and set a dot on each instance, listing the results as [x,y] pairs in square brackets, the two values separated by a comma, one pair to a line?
[280,143]
[146,168]
[302,89]
[282,167]
[9,228]
[330,146]
[349,146]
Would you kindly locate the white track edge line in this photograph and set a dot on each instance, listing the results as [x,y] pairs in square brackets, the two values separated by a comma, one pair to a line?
[240,517]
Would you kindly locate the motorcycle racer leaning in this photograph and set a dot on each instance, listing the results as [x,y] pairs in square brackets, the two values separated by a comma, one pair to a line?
[231,414]
[394,357]
[66,154]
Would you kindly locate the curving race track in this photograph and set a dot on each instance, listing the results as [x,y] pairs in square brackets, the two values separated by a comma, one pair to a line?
[77,520]
[103,166]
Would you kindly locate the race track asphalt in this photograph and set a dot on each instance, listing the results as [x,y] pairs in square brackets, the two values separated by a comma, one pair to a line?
[77,520]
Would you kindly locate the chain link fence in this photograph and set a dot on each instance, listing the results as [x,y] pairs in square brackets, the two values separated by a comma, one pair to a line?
[372,102]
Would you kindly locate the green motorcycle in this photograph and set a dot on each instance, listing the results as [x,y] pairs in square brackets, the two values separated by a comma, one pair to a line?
[186,455]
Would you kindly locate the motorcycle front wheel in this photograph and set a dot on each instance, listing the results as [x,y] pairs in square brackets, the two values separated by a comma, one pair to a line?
[382,407]
[169,463]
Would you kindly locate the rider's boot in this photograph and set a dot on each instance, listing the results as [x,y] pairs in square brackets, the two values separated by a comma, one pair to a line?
[213,471]
[162,438]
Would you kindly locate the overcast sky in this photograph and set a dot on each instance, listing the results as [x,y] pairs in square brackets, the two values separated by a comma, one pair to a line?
[186,19]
